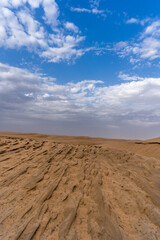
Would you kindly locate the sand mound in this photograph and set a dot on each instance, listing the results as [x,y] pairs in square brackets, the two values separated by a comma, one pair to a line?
[78,188]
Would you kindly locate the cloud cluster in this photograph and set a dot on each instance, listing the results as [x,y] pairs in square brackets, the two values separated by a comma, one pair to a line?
[146,47]
[30,95]
[20,28]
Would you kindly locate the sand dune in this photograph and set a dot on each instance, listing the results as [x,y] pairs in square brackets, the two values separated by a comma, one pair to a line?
[78,188]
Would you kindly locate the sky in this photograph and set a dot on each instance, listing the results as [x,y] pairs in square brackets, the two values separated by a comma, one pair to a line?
[80,68]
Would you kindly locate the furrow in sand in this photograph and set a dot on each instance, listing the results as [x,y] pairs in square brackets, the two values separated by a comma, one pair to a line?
[78,188]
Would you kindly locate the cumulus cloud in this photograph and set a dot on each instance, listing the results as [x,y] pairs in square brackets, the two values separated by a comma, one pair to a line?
[50,7]
[134,103]
[19,28]
[51,11]
[146,47]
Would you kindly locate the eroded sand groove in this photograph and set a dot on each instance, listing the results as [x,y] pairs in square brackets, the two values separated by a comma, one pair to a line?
[51,190]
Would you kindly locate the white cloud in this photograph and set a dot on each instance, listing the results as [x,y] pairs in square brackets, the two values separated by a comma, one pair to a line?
[66,49]
[80,10]
[51,11]
[133,20]
[43,98]
[35,3]
[147,46]
[19,28]
[18,3]
[153,29]
[94,3]
[127,77]
[94,9]
[137,21]
[71,26]
[86,10]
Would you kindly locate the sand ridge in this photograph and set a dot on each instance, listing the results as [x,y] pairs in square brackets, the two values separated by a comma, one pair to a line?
[74,188]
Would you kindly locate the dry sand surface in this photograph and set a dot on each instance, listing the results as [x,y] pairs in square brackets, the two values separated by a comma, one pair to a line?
[78,188]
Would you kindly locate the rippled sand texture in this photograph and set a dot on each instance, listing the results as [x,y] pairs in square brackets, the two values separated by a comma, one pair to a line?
[78,188]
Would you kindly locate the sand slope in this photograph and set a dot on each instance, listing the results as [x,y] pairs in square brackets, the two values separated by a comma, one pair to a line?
[54,187]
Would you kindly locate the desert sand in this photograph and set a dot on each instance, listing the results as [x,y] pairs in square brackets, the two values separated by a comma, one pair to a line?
[78,188]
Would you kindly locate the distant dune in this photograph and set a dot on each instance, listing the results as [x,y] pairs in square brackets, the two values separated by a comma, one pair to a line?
[78,188]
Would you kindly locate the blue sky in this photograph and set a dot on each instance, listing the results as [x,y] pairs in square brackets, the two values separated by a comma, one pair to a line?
[80,67]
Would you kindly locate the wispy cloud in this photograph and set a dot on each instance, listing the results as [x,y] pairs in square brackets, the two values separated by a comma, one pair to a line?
[94,3]
[85,10]
[127,77]
[71,26]
[137,21]
[132,20]
[94,9]
[19,28]
[134,102]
